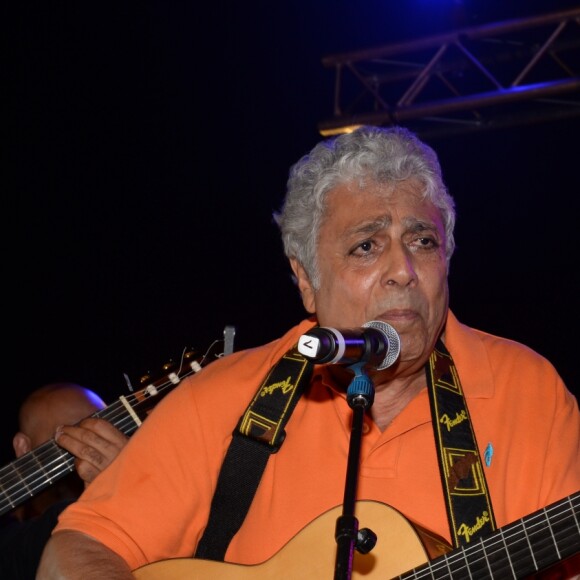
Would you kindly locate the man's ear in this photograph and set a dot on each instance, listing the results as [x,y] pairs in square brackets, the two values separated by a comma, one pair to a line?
[21,444]
[304,285]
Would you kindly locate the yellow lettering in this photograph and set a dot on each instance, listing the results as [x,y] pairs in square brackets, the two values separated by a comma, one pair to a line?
[286,386]
[449,423]
[468,531]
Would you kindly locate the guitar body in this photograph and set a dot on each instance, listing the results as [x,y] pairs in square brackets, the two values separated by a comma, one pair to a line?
[519,550]
[312,552]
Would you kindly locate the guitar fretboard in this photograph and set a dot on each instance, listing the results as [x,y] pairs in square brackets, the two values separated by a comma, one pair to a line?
[26,476]
[515,551]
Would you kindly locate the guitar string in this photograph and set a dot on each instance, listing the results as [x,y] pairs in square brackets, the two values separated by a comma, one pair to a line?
[51,451]
[491,548]
[27,465]
[55,461]
[60,463]
[488,548]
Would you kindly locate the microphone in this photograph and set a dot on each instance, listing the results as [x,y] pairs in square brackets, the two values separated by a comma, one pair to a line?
[376,343]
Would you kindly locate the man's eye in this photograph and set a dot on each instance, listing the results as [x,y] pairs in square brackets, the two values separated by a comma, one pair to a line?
[366,246]
[426,243]
[363,249]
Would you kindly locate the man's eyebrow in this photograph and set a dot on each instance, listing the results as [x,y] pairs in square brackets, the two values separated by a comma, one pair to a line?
[369,227]
[419,225]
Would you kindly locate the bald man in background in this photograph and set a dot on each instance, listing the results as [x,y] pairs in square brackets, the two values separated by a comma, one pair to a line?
[94,442]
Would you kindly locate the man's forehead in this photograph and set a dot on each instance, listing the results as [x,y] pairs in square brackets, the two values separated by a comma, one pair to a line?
[408,192]
[363,210]
[371,214]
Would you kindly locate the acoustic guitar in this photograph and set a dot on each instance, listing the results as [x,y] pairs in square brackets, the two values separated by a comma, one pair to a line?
[38,469]
[403,550]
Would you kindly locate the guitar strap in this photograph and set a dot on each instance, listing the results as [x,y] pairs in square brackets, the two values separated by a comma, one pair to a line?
[259,433]
[465,489]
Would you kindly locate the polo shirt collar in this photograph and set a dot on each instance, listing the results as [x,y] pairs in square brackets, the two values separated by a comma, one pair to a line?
[469,355]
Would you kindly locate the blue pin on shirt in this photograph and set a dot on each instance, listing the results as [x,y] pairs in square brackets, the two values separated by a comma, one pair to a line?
[488,454]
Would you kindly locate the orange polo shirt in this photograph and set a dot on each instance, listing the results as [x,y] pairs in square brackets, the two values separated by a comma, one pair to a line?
[153,502]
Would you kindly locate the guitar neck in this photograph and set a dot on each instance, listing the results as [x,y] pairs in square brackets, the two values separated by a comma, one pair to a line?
[38,469]
[26,476]
[517,550]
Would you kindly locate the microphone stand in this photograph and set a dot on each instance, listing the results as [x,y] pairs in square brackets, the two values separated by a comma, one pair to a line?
[360,397]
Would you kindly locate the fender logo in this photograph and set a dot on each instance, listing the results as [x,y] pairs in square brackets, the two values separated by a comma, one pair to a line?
[286,387]
[468,531]
[449,423]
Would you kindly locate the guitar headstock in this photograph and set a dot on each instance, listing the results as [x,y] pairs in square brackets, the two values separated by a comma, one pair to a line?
[173,371]
[191,361]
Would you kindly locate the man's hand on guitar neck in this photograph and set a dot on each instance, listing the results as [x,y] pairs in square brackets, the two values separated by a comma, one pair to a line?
[94,442]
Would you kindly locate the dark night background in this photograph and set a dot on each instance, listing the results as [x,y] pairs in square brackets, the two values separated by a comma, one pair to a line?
[149,143]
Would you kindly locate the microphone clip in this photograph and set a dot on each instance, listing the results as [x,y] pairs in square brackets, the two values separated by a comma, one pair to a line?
[361,390]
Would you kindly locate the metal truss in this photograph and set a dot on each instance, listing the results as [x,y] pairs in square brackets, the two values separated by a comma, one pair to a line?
[504,74]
